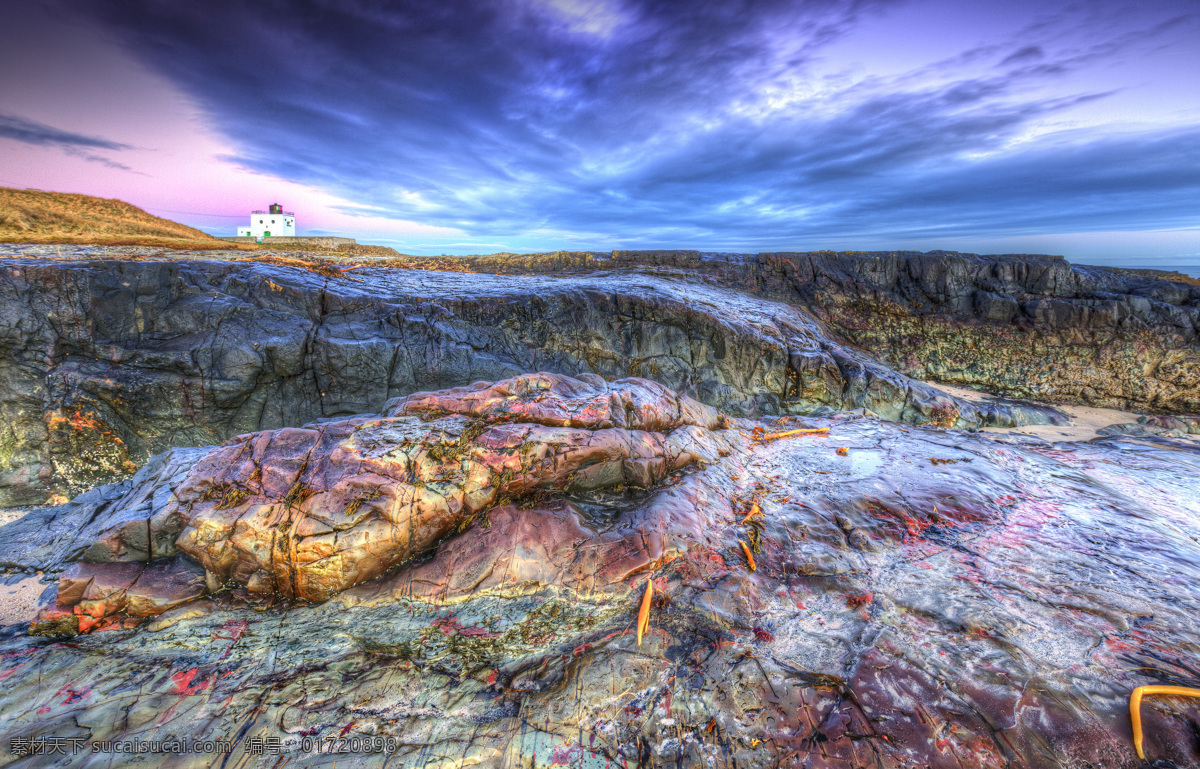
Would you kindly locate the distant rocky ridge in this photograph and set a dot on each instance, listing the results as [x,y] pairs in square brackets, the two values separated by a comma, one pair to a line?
[319,243]
[1028,326]
[106,362]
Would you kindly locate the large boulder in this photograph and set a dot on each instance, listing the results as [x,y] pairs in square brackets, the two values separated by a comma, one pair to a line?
[304,513]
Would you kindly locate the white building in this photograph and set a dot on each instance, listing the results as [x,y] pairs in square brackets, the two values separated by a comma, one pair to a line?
[274,221]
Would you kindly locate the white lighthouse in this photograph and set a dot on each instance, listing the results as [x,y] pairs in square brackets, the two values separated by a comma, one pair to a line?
[272,222]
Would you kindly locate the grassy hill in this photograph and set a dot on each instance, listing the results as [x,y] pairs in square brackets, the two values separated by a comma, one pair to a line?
[33,216]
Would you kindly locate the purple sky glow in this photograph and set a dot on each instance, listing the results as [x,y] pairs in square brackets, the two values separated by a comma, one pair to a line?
[491,125]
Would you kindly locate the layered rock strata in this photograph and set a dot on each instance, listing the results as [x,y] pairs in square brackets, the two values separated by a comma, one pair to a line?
[1029,326]
[105,362]
[304,513]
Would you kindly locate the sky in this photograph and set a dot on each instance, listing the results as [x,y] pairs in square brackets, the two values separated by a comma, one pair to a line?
[476,126]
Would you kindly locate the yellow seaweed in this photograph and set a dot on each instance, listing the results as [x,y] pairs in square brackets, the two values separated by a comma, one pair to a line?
[644,612]
[754,510]
[1135,708]
[749,555]
[790,433]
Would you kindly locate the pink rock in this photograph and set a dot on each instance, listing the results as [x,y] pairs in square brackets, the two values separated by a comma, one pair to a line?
[553,399]
[306,513]
[97,589]
[164,585]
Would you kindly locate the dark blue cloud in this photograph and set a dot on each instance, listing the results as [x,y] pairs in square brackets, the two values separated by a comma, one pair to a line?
[654,122]
[1028,53]
[32,132]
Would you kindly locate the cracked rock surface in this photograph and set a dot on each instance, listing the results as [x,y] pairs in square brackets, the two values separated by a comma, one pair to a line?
[111,356]
[1028,326]
[455,581]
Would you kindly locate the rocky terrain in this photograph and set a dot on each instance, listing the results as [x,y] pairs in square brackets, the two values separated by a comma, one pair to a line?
[108,361]
[1027,326]
[364,514]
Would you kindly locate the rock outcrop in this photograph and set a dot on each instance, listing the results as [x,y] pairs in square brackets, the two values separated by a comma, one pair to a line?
[106,362]
[325,508]
[1028,326]
[305,513]
[827,592]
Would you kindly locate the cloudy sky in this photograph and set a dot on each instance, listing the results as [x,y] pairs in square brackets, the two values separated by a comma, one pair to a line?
[470,126]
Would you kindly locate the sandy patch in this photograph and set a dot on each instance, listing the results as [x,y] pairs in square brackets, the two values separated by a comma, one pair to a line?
[10,514]
[1085,420]
[19,601]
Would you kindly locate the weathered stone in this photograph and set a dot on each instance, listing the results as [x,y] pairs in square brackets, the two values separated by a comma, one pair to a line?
[1143,430]
[97,589]
[1021,324]
[108,523]
[179,352]
[1175,425]
[164,585]
[552,399]
[873,595]
[54,622]
[995,307]
[931,597]
[189,610]
[305,513]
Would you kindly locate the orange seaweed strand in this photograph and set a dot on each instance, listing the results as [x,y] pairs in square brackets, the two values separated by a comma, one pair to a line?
[1135,708]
